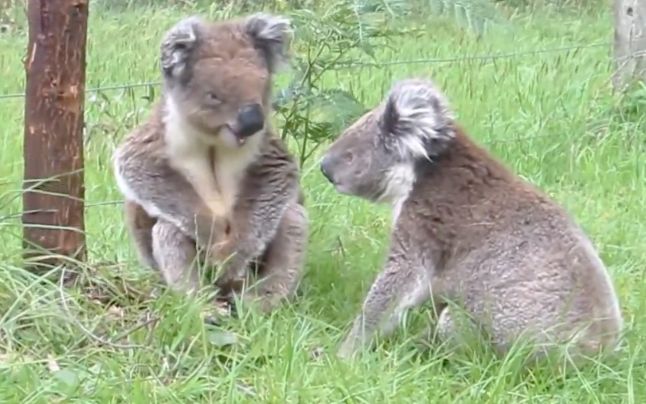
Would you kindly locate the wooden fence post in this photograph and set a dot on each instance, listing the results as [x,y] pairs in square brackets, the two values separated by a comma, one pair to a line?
[53,198]
[630,42]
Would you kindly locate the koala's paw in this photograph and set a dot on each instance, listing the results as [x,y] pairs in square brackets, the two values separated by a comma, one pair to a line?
[223,250]
[219,242]
[344,354]
[347,350]
[216,314]
[264,303]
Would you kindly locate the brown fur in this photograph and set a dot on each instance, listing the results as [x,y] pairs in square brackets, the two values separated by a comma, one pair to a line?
[200,151]
[468,231]
[465,197]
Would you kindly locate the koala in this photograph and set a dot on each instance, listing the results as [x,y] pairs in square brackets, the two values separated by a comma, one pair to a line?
[204,177]
[468,235]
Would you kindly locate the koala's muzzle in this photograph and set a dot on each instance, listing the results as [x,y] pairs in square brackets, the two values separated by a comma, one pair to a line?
[326,168]
[250,120]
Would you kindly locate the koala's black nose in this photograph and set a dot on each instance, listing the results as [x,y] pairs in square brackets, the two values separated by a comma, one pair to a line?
[325,169]
[250,120]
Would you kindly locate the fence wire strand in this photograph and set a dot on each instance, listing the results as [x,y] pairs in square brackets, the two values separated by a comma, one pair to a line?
[352,65]
[471,57]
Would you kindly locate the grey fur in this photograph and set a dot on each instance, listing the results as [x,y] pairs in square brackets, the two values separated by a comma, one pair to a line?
[468,231]
[417,114]
[272,34]
[168,220]
[177,46]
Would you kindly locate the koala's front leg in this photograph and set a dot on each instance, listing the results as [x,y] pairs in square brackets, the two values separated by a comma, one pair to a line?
[284,262]
[402,285]
[251,233]
[272,185]
[175,255]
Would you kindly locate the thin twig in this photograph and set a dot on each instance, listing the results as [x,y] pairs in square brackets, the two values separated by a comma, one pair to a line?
[150,320]
[87,332]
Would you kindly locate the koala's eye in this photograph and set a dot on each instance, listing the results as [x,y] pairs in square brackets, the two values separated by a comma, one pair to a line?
[348,157]
[212,98]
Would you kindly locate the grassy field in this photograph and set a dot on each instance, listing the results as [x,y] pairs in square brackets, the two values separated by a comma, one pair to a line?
[550,116]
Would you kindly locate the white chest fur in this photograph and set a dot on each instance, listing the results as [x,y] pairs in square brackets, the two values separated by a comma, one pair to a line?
[188,153]
[230,166]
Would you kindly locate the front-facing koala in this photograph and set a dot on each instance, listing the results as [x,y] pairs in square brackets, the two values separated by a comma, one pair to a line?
[205,169]
[468,231]
[217,82]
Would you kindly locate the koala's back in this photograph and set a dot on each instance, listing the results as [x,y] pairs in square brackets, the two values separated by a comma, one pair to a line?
[516,260]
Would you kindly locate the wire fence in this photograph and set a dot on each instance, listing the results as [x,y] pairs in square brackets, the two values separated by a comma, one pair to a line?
[382,64]
[356,65]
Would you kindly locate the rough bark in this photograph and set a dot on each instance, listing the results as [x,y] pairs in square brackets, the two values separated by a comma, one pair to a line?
[53,198]
[630,42]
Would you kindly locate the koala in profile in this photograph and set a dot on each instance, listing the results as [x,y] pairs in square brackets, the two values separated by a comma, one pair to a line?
[205,172]
[466,230]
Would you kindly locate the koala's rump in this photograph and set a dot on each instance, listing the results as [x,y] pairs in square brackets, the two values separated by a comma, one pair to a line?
[531,284]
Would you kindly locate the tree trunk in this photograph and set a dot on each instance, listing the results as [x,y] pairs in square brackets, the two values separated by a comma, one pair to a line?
[53,206]
[630,42]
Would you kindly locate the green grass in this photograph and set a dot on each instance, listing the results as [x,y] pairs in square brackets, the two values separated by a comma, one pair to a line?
[550,116]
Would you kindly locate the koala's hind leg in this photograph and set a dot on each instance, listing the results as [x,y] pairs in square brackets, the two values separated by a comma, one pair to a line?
[444,330]
[284,261]
[140,226]
[456,331]
[175,254]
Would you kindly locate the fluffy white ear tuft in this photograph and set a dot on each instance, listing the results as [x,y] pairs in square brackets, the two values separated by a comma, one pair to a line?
[418,115]
[272,35]
[177,45]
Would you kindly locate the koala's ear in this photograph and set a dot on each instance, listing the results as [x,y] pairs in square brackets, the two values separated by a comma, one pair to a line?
[271,35]
[177,46]
[390,117]
[417,115]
